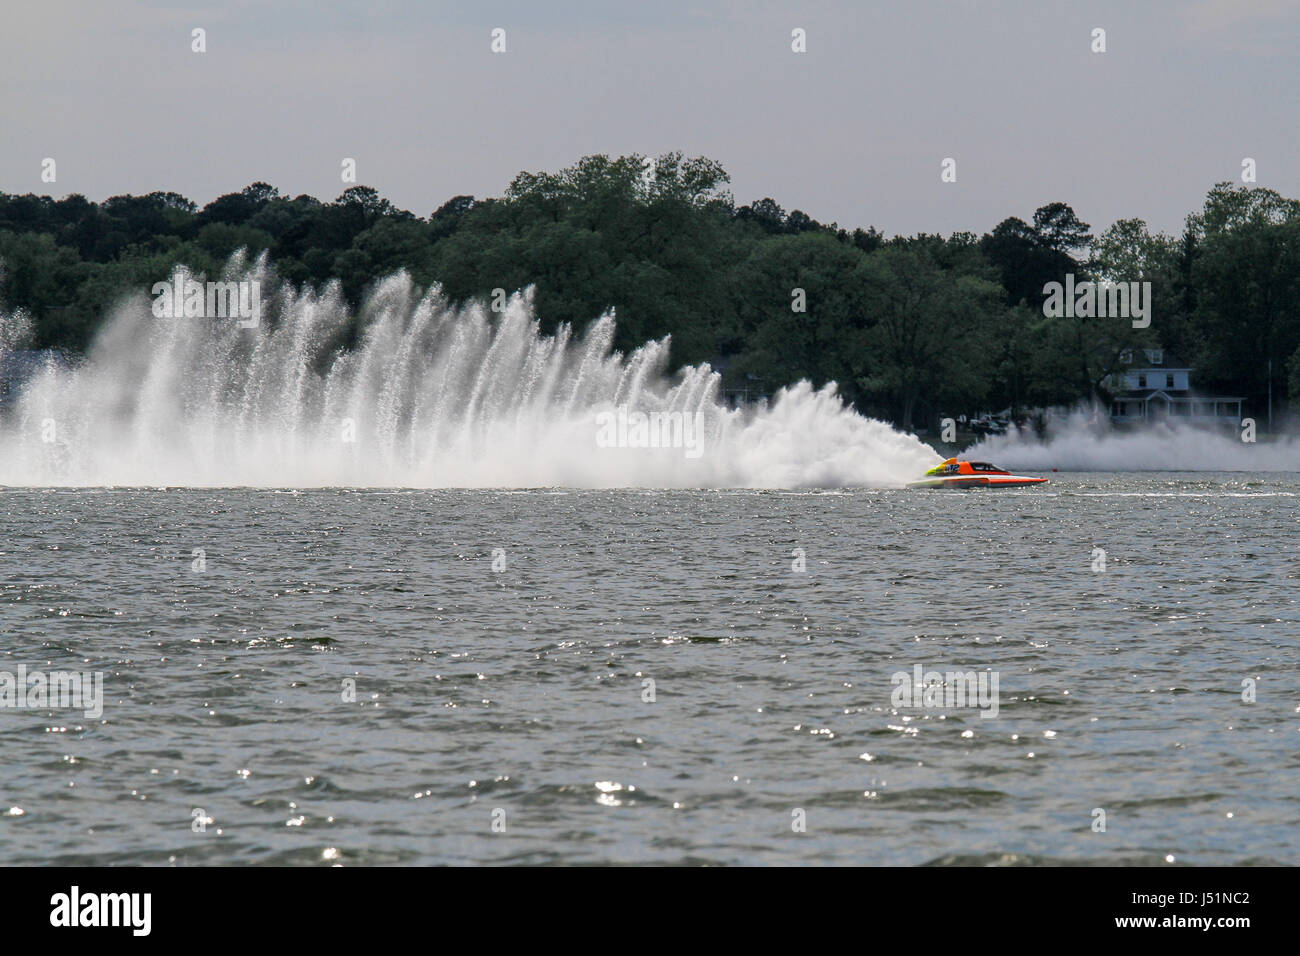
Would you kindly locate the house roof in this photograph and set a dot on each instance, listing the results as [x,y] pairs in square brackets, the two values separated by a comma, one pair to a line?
[1168,361]
[1181,399]
[1149,367]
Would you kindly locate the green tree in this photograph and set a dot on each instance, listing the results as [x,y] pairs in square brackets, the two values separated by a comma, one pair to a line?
[801,313]
[1247,274]
[928,343]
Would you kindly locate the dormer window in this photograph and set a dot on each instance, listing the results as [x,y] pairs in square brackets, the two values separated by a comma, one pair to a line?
[1126,357]
[1157,356]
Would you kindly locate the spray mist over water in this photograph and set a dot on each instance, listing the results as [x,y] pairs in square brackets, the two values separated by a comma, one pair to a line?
[1077,443]
[431,396]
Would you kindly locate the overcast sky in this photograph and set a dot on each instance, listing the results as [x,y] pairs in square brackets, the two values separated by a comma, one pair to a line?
[853,131]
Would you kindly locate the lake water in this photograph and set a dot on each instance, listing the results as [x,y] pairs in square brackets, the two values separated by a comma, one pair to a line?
[506,716]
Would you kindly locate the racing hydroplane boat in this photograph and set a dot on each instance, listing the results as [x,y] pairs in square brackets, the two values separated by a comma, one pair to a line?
[956,473]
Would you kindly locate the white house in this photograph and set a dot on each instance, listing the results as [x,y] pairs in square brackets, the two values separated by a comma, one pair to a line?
[1154,386]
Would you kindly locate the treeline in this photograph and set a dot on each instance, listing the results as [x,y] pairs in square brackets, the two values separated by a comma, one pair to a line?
[910,327]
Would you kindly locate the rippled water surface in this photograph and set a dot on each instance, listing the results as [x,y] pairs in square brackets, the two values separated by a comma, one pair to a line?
[518,697]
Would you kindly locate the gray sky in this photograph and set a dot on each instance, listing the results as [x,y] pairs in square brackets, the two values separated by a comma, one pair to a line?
[852,131]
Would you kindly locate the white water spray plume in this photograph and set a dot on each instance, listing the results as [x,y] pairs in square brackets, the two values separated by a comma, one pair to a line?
[431,396]
[1084,441]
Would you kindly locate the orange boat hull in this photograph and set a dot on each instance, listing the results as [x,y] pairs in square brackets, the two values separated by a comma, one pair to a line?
[955,473]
